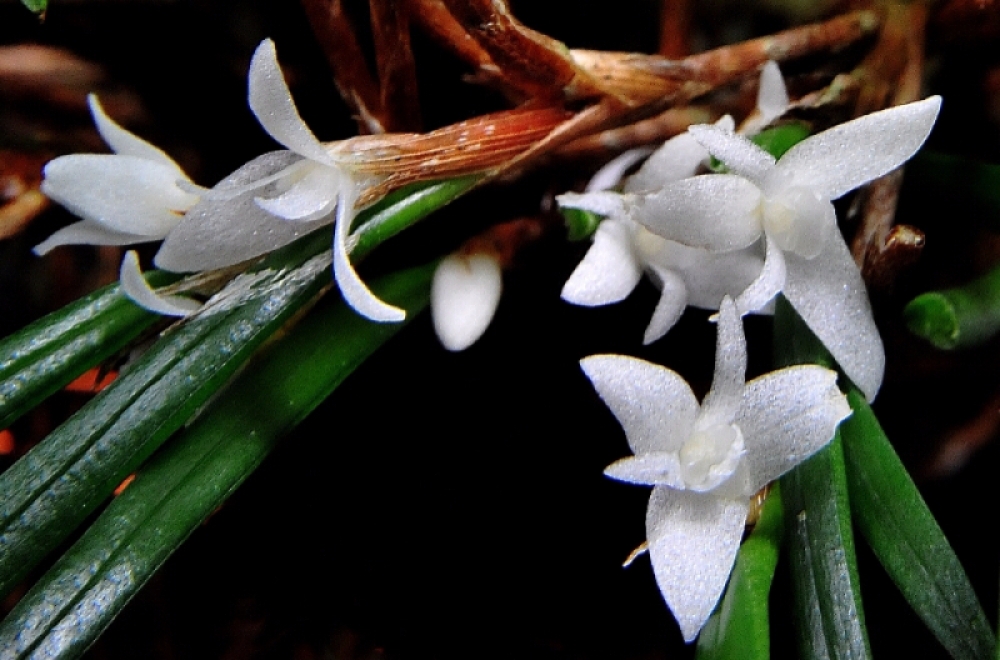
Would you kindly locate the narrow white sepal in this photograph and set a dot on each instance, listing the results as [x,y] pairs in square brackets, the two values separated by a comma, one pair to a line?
[673,300]
[830,296]
[654,405]
[608,272]
[134,285]
[740,155]
[125,143]
[606,203]
[840,159]
[693,539]
[465,293]
[87,232]
[611,173]
[272,104]
[723,399]
[768,284]
[772,96]
[355,293]
[787,416]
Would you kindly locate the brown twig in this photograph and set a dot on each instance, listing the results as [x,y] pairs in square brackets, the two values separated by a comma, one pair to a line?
[351,75]
[896,62]
[675,28]
[534,64]
[647,131]
[397,71]
[435,19]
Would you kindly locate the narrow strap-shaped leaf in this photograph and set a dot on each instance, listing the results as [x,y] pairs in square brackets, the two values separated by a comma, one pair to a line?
[739,629]
[37,6]
[59,482]
[818,526]
[44,356]
[901,530]
[79,597]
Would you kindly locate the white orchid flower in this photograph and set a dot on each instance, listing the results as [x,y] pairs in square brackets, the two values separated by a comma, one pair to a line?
[789,203]
[465,293]
[277,197]
[131,196]
[705,461]
[623,249]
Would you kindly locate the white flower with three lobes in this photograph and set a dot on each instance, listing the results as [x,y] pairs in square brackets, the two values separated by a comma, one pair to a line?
[623,249]
[706,461]
[278,197]
[131,196]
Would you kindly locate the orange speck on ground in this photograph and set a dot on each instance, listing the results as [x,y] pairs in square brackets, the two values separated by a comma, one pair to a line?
[88,381]
[6,443]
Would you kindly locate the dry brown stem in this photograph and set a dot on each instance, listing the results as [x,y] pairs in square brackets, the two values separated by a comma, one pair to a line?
[435,19]
[351,75]
[397,71]
[896,63]
[675,28]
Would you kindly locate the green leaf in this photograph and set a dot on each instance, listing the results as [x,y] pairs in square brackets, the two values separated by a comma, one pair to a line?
[739,629]
[901,530]
[580,224]
[79,597]
[957,318]
[779,139]
[45,356]
[46,494]
[37,6]
[818,523]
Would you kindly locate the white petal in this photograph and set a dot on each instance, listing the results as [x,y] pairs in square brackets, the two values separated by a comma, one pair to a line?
[709,276]
[355,293]
[606,203]
[658,468]
[829,294]
[672,303]
[786,417]
[772,96]
[610,175]
[768,283]
[677,159]
[271,102]
[719,212]
[654,405]
[86,232]
[311,196]
[609,270]
[693,541]
[723,399]
[740,155]
[124,143]
[222,232]
[839,160]
[124,193]
[134,285]
[464,296]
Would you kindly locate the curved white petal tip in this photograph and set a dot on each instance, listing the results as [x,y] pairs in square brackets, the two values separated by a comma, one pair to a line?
[355,293]
[464,296]
[135,287]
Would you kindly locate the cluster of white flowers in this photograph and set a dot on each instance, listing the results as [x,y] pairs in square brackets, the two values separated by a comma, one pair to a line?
[729,242]
[733,242]
[138,194]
